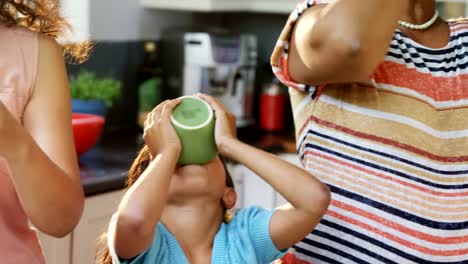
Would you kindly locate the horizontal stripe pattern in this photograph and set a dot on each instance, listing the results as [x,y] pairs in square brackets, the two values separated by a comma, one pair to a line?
[393,151]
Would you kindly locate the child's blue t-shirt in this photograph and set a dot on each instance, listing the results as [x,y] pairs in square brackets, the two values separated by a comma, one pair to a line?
[246,239]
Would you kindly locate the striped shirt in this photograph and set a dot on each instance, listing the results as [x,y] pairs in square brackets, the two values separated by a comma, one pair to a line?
[394,154]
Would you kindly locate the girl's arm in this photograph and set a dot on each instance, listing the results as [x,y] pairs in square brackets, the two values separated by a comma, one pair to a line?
[343,41]
[41,153]
[308,197]
[143,204]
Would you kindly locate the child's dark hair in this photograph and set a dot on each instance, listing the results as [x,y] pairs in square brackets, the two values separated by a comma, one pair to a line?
[136,170]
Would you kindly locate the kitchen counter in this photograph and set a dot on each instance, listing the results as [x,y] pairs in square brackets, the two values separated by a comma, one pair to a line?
[271,142]
[104,168]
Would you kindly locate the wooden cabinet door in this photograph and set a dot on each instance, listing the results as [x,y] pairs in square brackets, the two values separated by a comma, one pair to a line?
[255,191]
[56,250]
[95,220]
[260,6]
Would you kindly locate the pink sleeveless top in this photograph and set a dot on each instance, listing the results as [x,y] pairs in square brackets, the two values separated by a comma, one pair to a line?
[18,65]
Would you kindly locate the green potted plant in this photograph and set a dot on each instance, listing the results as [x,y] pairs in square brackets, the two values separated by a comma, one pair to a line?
[93,95]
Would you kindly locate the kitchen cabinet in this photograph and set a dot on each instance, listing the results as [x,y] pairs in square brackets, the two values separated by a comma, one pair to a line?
[253,191]
[56,250]
[449,8]
[95,220]
[78,15]
[124,20]
[260,6]
[80,247]
[452,8]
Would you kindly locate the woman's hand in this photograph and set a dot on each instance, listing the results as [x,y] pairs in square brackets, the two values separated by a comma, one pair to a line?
[159,134]
[225,128]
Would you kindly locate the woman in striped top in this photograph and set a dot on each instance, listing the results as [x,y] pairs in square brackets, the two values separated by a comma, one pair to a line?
[393,148]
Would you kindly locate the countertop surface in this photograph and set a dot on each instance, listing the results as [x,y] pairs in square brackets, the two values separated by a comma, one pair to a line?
[104,168]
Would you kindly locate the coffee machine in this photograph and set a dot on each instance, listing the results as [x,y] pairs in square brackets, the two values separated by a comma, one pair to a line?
[222,65]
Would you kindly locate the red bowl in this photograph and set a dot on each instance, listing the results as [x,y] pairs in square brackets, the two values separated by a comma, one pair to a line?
[87,129]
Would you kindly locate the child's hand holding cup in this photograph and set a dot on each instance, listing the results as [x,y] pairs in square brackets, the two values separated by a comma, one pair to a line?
[194,122]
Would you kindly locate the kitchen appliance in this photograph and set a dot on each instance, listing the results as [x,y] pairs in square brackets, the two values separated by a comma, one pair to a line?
[220,64]
[273,103]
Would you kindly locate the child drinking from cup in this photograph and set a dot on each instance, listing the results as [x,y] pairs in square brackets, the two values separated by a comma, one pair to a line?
[176,214]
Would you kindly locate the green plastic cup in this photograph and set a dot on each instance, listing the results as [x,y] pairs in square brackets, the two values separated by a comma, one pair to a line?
[193,120]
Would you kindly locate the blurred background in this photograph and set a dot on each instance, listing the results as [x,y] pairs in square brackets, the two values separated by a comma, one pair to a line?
[150,50]
[122,29]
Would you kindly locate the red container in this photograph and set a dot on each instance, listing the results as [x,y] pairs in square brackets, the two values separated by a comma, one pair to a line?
[87,129]
[272,111]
